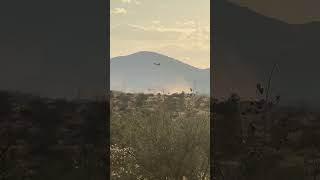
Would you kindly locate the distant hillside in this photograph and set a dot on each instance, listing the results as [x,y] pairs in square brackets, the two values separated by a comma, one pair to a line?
[247,44]
[153,72]
[67,78]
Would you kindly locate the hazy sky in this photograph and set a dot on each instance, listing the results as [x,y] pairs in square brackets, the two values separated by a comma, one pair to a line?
[177,28]
[291,11]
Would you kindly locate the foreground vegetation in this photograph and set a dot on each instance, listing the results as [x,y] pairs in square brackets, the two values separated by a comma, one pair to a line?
[159,136]
[43,138]
[259,140]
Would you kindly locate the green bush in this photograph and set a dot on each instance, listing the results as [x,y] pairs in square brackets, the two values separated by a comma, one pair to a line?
[162,146]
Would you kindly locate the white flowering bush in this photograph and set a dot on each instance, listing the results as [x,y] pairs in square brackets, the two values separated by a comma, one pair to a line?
[124,164]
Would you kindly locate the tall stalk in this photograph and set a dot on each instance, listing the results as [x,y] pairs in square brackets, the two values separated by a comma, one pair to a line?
[269,81]
[266,109]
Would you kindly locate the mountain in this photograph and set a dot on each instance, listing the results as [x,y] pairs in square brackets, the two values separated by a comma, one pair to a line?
[54,54]
[248,44]
[68,79]
[153,72]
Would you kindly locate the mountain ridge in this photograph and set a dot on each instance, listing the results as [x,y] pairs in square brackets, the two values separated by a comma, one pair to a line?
[138,72]
[254,43]
[157,54]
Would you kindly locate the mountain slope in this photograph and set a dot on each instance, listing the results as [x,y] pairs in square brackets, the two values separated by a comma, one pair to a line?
[139,72]
[54,54]
[247,45]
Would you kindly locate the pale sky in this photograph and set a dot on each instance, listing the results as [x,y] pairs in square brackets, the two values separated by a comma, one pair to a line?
[176,28]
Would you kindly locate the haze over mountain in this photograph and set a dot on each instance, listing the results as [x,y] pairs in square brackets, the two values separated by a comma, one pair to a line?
[152,72]
[248,44]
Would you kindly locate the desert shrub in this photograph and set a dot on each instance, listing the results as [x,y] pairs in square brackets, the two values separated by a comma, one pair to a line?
[5,105]
[169,148]
[140,99]
[123,164]
[227,126]
[159,145]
